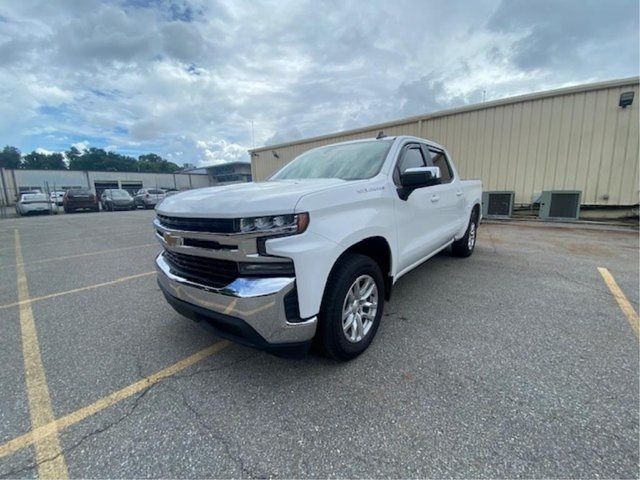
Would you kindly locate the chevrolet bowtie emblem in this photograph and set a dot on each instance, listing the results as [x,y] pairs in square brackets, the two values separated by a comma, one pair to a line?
[171,240]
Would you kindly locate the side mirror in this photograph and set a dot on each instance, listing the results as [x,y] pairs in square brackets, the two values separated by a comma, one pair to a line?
[420,177]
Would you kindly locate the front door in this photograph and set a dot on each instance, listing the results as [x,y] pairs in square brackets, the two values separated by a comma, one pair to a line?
[417,217]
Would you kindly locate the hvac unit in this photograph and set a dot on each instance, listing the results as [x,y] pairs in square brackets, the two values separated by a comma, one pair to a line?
[497,204]
[560,205]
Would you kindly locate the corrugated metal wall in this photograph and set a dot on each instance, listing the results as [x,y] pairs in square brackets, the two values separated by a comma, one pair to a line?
[575,138]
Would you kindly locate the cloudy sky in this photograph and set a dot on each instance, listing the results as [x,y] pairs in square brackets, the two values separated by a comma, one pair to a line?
[186,78]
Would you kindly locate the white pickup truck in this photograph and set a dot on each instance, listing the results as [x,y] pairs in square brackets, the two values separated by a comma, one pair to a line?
[313,252]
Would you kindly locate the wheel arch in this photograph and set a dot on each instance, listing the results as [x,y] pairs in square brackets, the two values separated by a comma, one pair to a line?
[379,250]
[476,210]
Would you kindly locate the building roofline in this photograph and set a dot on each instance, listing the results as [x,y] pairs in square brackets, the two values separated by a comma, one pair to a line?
[97,171]
[466,108]
[226,163]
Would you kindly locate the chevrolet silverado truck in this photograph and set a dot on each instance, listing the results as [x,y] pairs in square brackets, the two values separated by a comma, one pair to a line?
[312,253]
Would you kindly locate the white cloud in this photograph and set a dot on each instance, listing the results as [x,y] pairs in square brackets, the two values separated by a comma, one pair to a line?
[186,79]
[45,151]
[220,151]
[81,146]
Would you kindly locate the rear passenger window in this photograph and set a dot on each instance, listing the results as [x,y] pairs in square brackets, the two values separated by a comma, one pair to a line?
[439,159]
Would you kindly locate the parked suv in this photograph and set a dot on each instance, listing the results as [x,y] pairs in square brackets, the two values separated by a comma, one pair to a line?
[149,197]
[314,251]
[116,199]
[79,199]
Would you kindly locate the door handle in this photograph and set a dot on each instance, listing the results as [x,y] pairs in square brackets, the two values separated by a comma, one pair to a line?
[459,193]
[435,198]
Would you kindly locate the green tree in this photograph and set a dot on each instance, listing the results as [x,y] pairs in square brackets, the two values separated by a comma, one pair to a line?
[151,158]
[9,157]
[152,162]
[72,153]
[43,161]
[99,159]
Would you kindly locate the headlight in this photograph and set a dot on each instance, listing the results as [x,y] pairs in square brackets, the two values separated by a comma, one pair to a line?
[276,224]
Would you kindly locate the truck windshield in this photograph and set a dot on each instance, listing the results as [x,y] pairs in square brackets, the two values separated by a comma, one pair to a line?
[351,161]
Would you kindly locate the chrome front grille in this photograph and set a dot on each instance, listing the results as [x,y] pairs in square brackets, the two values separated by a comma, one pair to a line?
[208,271]
[211,225]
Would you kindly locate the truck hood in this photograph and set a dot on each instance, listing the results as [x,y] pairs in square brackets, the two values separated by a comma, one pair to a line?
[243,199]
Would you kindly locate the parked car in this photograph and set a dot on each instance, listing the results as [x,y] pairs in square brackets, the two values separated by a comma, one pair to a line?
[80,199]
[149,197]
[315,250]
[57,197]
[33,203]
[116,199]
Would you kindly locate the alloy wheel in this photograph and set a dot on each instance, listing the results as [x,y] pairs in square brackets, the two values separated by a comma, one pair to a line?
[359,308]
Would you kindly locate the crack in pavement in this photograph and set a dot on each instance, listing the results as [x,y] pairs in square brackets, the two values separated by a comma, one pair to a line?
[137,401]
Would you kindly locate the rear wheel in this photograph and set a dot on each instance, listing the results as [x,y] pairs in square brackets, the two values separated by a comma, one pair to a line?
[464,247]
[351,307]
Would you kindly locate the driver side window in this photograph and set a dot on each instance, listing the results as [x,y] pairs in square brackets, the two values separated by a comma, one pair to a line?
[412,157]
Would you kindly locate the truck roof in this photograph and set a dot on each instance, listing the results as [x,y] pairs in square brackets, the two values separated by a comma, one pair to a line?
[389,137]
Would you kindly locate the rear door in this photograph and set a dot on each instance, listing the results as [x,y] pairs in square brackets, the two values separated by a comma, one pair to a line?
[417,218]
[450,197]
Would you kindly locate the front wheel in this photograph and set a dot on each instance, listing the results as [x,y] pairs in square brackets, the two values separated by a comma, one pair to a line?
[351,307]
[464,247]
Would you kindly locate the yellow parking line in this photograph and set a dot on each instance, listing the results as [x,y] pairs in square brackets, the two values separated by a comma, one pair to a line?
[45,431]
[49,456]
[76,239]
[27,301]
[67,257]
[620,297]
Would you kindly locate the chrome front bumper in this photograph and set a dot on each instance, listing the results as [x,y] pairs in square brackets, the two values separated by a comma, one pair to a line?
[258,302]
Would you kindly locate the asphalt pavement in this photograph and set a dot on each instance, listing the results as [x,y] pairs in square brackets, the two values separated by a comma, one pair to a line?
[515,362]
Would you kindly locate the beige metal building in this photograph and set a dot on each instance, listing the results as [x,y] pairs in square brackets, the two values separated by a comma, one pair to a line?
[575,138]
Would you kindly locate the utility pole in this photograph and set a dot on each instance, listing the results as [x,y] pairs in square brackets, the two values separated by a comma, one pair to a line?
[253,138]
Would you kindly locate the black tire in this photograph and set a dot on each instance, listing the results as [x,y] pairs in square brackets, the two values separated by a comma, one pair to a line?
[463,247]
[331,336]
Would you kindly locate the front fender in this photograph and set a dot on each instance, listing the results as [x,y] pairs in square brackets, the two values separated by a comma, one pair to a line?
[313,257]
[332,230]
